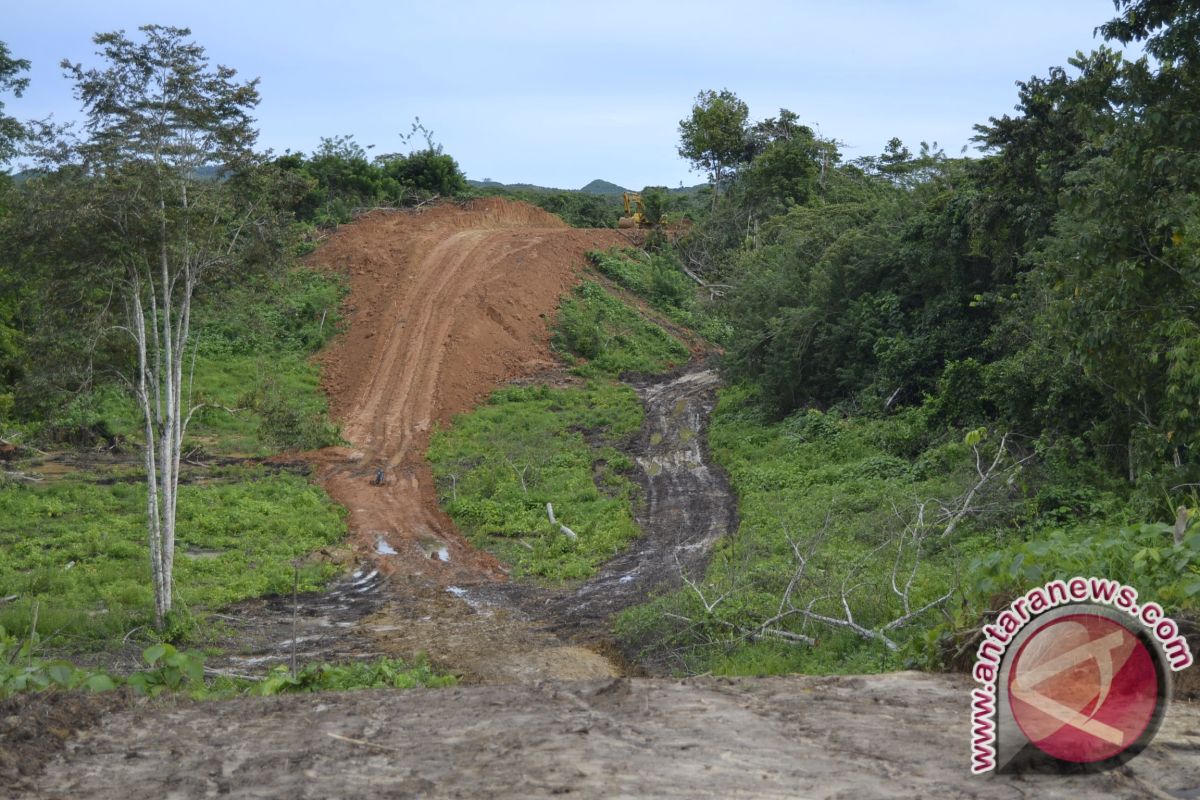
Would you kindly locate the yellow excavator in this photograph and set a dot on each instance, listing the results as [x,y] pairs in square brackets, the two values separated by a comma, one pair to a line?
[635,212]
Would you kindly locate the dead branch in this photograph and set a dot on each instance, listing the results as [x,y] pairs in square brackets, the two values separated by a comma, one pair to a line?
[21,476]
[907,546]
[570,534]
[1181,524]
[520,473]
[188,420]
[31,448]
[425,202]
[227,674]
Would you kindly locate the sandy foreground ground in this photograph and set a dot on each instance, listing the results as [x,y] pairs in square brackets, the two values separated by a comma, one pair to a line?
[897,735]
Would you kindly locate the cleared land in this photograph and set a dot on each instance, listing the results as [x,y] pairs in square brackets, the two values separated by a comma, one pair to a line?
[445,305]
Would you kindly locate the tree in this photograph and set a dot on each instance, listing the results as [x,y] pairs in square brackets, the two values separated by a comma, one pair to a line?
[655,201]
[783,128]
[168,142]
[1170,28]
[428,170]
[714,137]
[784,173]
[11,131]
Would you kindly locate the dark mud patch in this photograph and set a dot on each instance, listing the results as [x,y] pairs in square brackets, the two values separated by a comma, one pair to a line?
[35,727]
[107,467]
[264,632]
[688,505]
[367,615]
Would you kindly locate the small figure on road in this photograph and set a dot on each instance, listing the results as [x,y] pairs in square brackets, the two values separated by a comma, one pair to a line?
[379,479]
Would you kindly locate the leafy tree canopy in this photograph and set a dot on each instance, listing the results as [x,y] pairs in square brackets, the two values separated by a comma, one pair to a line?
[11,80]
[713,138]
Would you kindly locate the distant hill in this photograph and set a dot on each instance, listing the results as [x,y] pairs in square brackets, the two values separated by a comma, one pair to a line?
[599,187]
[603,187]
[595,187]
[512,187]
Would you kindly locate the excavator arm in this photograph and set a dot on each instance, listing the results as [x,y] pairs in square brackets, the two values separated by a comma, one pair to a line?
[635,212]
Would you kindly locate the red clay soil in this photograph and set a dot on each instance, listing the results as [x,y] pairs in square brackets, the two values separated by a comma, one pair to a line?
[445,304]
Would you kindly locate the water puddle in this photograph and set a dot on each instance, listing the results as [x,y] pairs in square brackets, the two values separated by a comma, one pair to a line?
[363,584]
[433,547]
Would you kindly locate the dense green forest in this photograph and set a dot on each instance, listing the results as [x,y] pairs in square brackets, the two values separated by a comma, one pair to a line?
[947,379]
[980,372]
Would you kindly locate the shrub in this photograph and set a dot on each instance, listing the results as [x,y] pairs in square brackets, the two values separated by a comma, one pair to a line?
[612,337]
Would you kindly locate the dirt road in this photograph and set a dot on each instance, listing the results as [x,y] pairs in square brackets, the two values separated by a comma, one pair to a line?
[446,305]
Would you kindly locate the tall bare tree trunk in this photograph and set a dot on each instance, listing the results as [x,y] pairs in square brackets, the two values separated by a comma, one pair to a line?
[161,337]
[151,415]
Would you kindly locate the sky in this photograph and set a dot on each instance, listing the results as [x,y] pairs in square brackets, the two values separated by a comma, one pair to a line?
[559,93]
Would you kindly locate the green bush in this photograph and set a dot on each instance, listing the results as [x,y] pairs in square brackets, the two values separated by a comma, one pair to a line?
[171,670]
[498,466]
[1142,556]
[658,278]
[429,171]
[291,421]
[961,397]
[383,673]
[338,178]
[611,337]
[295,312]
[78,550]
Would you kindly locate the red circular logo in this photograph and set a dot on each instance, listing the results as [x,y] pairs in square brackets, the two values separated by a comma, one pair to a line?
[1083,688]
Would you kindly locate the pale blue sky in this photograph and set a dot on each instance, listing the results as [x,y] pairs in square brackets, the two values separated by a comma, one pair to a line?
[559,93]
